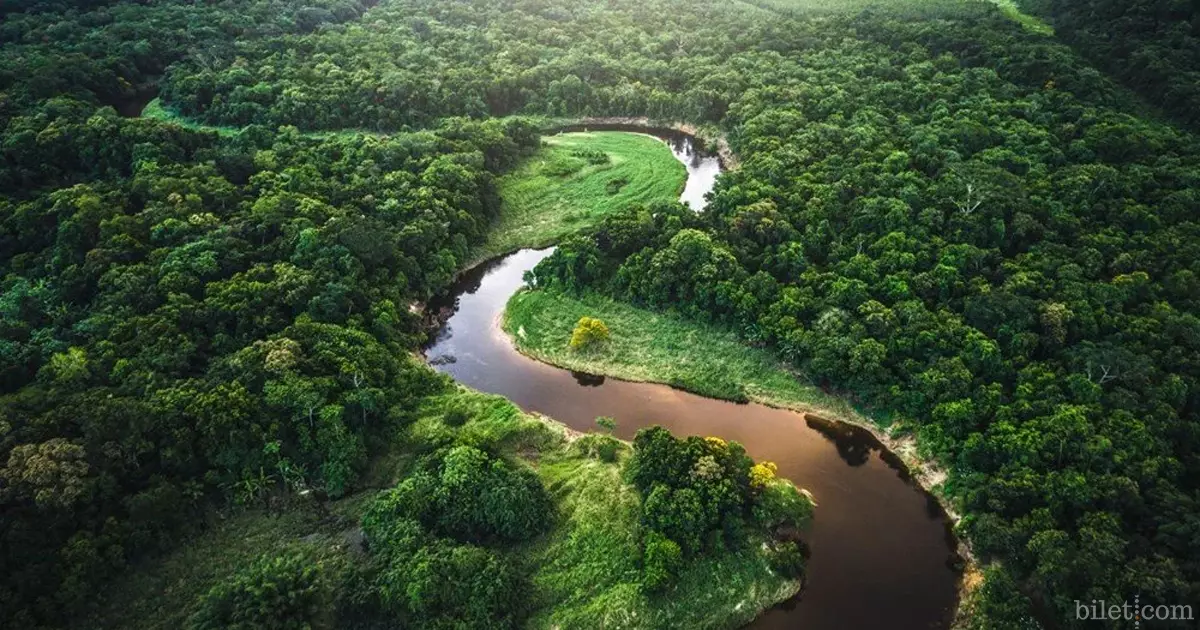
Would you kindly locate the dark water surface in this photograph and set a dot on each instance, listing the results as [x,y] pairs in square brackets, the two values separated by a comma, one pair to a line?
[881,551]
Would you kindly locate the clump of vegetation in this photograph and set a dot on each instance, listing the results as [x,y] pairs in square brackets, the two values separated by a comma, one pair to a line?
[615,185]
[421,581]
[701,495]
[285,591]
[602,446]
[662,559]
[787,558]
[456,417]
[562,165]
[592,156]
[470,496]
[436,541]
[589,332]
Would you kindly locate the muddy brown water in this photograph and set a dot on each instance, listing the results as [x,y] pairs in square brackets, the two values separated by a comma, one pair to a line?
[882,554]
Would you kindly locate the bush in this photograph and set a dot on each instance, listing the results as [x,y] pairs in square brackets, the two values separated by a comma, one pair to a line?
[456,418]
[680,515]
[762,474]
[446,585]
[561,166]
[615,185]
[602,447]
[283,592]
[780,504]
[468,496]
[787,559]
[591,156]
[483,499]
[588,331]
[660,562]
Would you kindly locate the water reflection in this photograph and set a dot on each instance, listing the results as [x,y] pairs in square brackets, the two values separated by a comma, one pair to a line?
[854,444]
[588,380]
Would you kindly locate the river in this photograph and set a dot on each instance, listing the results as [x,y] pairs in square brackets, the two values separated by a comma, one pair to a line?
[882,552]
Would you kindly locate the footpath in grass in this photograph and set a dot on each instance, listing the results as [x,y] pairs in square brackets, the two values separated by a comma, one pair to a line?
[660,348]
[575,179]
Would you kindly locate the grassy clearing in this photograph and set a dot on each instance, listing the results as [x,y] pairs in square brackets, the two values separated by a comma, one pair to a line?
[1030,22]
[660,348]
[156,110]
[918,8]
[557,190]
[584,573]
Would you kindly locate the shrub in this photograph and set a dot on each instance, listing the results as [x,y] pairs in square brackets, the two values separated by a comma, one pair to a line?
[680,515]
[660,561]
[762,474]
[602,447]
[591,156]
[588,332]
[562,166]
[615,185]
[413,498]
[282,592]
[447,585]
[780,504]
[467,495]
[483,499]
[787,559]
[456,418]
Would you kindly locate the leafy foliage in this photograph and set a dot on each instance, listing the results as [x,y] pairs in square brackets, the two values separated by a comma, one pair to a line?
[467,495]
[280,592]
[940,215]
[697,495]
[1151,45]
[588,332]
[190,316]
[426,581]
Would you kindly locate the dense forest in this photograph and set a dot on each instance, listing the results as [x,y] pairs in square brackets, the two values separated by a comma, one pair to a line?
[955,222]
[1153,46]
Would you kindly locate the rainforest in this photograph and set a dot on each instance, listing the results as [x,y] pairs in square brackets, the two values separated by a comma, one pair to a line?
[443,314]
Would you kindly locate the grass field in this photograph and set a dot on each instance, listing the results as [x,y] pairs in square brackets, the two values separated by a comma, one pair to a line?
[557,191]
[659,348]
[584,572]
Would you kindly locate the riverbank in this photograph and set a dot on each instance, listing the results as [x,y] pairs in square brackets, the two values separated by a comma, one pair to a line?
[647,346]
[585,572]
[712,139]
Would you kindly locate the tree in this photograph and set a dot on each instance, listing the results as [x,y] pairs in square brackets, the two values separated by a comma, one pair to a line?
[279,592]
[589,332]
[54,474]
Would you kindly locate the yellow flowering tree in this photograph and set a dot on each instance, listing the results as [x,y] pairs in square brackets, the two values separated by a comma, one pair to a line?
[588,332]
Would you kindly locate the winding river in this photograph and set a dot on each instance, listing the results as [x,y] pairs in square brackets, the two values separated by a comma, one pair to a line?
[882,554]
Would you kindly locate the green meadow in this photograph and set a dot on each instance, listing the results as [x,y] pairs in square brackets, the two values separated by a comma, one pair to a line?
[574,180]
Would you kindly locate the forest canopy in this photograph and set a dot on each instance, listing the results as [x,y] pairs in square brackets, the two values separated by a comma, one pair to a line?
[948,219]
